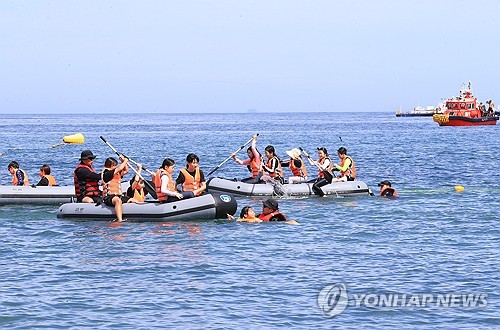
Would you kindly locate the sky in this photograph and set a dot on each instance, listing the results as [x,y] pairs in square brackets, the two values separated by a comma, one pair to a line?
[237,56]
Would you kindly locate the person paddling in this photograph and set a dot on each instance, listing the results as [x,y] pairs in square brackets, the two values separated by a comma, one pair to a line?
[386,189]
[136,191]
[253,162]
[272,168]
[324,164]
[111,177]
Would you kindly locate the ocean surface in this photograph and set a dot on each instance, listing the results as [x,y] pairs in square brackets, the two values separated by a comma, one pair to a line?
[431,241]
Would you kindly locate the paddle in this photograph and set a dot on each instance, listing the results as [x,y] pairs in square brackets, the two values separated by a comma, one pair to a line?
[327,175]
[133,161]
[230,156]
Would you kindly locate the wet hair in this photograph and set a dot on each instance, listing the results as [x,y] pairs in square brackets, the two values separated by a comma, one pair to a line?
[110,162]
[342,151]
[45,169]
[13,164]
[167,162]
[244,211]
[192,157]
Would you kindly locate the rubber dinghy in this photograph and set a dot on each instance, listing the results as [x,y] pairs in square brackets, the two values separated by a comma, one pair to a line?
[36,194]
[339,189]
[206,207]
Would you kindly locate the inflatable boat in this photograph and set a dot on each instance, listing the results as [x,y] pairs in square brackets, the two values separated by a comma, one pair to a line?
[40,194]
[36,194]
[206,207]
[339,189]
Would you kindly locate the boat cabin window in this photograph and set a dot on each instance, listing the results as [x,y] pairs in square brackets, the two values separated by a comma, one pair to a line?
[451,105]
[471,106]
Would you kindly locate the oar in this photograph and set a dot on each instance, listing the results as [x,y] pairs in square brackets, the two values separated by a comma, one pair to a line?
[130,159]
[327,175]
[230,156]
[119,154]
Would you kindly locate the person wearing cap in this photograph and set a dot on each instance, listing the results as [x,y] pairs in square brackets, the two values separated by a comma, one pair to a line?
[347,167]
[297,166]
[270,211]
[386,190]
[86,180]
[19,176]
[253,162]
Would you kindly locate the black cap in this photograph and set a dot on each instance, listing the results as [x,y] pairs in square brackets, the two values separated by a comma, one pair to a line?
[271,203]
[87,154]
[385,183]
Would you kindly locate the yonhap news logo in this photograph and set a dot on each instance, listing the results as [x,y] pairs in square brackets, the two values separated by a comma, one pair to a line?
[334,299]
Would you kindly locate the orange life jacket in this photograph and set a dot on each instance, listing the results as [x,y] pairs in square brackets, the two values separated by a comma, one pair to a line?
[254,167]
[139,195]
[113,186]
[51,179]
[351,170]
[278,171]
[191,183]
[85,188]
[268,217]
[328,169]
[388,191]
[157,179]
[298,171]
[15,181]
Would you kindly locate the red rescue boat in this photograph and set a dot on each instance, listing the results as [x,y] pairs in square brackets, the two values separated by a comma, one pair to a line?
[464,111]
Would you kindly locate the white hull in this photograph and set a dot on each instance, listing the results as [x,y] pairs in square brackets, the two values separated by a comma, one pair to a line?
[209,206]
[344,189]
[36,195]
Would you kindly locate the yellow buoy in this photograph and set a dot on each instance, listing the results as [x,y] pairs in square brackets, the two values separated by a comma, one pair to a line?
[459,188]
[75,138]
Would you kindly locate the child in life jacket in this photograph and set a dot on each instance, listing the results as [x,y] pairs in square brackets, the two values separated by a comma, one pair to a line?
[111,177]
[247,214]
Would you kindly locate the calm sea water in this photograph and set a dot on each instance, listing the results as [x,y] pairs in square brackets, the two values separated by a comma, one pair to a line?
[217,274]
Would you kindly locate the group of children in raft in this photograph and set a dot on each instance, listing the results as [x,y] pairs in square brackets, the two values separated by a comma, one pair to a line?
[164,188]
